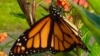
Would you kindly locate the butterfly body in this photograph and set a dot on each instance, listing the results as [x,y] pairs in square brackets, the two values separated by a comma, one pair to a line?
[49,33]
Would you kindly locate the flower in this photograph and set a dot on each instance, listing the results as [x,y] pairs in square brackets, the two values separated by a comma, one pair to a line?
[64,3]
[3,36]
[2,54]
[48,1]
[83,3]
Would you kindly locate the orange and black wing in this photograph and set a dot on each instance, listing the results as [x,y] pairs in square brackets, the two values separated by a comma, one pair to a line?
[33,40]
[50,33]
[64,38]
[63,35]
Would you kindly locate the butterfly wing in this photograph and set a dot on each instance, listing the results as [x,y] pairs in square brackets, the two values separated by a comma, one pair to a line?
[64,38]
[50,33]
[33,40]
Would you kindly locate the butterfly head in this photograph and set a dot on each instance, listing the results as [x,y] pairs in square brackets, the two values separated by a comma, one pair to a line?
[55,11]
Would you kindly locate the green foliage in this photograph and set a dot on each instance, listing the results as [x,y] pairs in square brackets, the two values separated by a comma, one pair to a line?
[95,50]
[40,12]
[95,4]
[11,18]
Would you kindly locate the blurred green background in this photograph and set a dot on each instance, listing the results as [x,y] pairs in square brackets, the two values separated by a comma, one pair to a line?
[11,17]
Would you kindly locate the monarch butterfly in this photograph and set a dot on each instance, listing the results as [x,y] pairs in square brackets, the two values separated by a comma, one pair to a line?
[49,33]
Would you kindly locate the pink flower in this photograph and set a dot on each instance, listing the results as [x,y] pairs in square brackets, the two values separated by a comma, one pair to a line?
[48,1]
[81,3]
[64,3]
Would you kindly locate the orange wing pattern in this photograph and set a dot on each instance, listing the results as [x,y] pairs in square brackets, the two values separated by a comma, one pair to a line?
[64,39]
[33,39]
[50,33]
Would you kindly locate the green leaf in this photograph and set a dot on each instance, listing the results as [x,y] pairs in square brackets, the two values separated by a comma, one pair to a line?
[92,21]
[95,5]
[95,19]
[86,35]
[95,50]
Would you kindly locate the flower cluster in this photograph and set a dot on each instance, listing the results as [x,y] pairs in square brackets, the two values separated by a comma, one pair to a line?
[3,36]
[3,54]
[66,5]
[83,3]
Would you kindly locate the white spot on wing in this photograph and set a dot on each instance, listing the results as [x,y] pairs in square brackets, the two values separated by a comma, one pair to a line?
[34,51]
[18,40]
[26,52]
